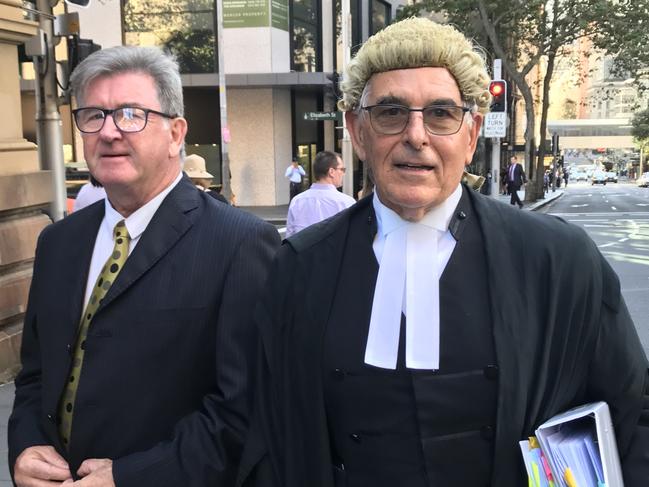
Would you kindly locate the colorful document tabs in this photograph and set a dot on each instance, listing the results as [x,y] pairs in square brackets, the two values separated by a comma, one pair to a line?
[575,449]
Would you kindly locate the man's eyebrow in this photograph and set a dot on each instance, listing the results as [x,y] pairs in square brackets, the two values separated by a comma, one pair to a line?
[395,100]
[390,100]
[443,101]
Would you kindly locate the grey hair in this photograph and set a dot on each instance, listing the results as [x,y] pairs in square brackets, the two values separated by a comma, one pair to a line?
[162,67]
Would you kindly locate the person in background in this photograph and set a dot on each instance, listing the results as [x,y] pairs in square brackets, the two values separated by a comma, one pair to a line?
[194,167]
[515,180]
[322,199]
[294,173]
[89,193]
[138,341]
[416,337]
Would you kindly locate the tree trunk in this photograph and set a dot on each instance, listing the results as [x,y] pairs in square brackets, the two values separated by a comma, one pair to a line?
[540,168]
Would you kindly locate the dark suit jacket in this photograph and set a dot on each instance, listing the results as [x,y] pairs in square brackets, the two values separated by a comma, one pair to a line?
[517,181]
[562,337]
[164,384]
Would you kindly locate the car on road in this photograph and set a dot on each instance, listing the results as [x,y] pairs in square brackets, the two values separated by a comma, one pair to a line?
[611,177]
[598,177]
[578,176]
[643,181]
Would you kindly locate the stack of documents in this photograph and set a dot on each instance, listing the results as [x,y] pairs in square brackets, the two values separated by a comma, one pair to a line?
[574,449]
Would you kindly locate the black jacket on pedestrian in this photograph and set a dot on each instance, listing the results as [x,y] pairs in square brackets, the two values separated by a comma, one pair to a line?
[561,330]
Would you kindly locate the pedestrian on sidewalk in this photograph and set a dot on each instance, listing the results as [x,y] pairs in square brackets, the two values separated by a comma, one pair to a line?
[294,173]
[137,343]
[415,338]
[515,179]
[322,199]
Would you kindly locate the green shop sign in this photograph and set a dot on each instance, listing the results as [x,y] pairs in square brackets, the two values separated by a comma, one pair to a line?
[255,13]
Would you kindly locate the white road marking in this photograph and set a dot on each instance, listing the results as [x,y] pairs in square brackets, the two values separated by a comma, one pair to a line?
[578,206]
[613,208]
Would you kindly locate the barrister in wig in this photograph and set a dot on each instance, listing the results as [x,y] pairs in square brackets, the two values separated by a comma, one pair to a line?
[415,338]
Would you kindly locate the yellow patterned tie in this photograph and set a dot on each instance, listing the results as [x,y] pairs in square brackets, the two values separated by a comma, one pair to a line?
[107,276]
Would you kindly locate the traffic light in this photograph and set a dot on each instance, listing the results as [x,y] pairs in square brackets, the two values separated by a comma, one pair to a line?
[498,90]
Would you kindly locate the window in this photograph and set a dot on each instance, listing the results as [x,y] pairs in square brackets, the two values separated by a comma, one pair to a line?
[381,16]
[185,27]
[306,36]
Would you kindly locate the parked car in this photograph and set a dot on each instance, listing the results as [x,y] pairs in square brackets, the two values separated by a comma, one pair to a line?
[599,177]
[611,177]
[643,181]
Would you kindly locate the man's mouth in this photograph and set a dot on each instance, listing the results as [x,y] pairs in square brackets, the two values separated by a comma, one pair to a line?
[414,167]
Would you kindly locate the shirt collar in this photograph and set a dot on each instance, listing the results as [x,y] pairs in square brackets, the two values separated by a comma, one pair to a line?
[137,221]
[323,186]
[438,217]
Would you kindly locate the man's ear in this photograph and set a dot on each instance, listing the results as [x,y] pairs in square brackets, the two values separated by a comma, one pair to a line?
[474,133]
[177,131]
[356,132]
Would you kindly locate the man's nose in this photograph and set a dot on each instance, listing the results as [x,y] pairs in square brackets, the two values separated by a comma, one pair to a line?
[110,130]
[415,133]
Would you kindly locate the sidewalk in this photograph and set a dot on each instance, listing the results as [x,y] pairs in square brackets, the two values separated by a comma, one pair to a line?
[6,402]
[273,214]
[277,214]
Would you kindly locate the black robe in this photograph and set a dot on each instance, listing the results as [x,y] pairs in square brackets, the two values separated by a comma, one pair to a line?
[562,333]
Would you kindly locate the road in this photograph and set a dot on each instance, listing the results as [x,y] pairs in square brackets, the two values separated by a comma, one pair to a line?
[616,217]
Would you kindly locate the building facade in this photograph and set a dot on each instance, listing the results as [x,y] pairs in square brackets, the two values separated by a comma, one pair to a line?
[279,57]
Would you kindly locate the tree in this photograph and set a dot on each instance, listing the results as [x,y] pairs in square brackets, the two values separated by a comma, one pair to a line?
[528,35]
[640,132]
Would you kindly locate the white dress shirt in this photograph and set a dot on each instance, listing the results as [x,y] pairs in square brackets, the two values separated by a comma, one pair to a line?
[136,223]
[319,202]
[87,195]
[409,276]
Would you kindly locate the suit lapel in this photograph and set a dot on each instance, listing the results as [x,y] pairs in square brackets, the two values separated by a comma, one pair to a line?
[170,222]
[77,253]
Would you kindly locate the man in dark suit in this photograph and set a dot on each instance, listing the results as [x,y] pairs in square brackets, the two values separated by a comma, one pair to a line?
[137,338]
[416,337]
[515,179]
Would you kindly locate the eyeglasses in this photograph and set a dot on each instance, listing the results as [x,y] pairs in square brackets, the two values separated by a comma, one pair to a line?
[343,169]
[91,120]
[389,119]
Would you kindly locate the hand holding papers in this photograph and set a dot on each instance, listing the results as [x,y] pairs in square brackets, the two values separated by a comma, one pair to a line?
[579,446]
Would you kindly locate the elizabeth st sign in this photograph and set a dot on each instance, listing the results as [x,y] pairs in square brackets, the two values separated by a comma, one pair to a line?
[322,116]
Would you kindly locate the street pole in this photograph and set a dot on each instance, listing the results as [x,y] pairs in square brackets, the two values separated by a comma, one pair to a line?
[49,136]
[348,154]
[495,144]
[226,190]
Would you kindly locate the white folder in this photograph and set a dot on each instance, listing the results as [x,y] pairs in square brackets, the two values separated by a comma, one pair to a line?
[595,416]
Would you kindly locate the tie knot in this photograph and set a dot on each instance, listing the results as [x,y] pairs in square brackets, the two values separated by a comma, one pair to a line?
[120,232]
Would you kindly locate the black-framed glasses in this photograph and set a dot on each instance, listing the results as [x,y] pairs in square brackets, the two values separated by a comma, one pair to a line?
[91,120]
[389,119]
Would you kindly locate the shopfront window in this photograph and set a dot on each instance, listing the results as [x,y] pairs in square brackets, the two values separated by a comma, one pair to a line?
[306,35]
[381,15]
[185,27]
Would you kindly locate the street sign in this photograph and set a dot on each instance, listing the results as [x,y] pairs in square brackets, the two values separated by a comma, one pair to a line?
[318,116]
[495,124]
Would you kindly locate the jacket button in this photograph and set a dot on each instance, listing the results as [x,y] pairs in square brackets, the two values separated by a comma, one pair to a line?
[68,347]
[355,438]
[338,374]
[50,417]
[487,433]
[491,372]
[461,215]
